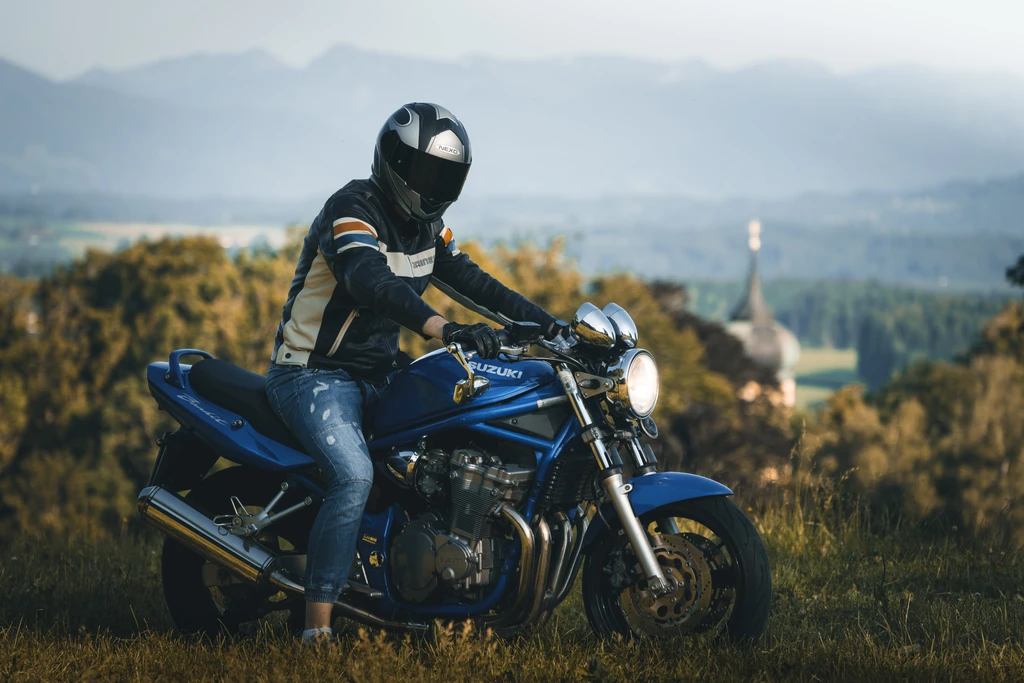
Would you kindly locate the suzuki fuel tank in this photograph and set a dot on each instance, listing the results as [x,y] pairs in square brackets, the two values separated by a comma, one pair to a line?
[424,391]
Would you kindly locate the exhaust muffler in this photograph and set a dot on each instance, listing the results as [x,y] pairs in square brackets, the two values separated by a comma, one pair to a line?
[241,556]
[172,515]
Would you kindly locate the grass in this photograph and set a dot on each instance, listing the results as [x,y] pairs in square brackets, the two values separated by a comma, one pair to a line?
[849,604]
[819,372]
[809,397]
[813,360]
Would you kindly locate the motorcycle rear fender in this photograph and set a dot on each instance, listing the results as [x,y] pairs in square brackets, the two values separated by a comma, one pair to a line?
[182,462]
[655,490]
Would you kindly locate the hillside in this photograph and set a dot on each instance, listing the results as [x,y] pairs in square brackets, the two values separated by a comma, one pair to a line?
[246,125]
[891,520]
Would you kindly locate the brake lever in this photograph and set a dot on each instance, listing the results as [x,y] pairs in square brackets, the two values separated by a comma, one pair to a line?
[514,352]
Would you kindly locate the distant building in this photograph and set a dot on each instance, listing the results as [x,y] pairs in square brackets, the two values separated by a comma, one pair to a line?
[768,343]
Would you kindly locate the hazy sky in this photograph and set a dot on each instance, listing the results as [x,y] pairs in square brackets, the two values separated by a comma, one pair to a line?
[62,38]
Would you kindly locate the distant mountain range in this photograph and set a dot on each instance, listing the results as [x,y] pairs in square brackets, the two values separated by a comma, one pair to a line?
[993,206]
[248,126]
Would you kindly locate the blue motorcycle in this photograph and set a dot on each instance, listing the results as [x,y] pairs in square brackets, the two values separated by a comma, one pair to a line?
[495,483]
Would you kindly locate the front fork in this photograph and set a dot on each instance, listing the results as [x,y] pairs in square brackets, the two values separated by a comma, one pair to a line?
[615,487]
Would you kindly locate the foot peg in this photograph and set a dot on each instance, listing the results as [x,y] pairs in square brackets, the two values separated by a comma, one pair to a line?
[243,524]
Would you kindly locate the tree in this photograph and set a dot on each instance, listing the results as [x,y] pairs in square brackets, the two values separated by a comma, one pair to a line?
[78,425]
[1015,273]
[78,428]
[877,356]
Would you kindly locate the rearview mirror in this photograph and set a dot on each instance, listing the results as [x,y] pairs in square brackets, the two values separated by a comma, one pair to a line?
[625,328]
[593,327]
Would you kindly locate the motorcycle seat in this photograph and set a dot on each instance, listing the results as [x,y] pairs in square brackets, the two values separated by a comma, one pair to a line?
[241,392]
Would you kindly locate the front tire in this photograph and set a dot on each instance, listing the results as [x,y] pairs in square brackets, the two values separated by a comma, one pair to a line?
[727,587]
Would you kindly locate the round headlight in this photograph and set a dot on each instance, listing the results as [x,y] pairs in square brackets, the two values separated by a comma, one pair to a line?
[636,382]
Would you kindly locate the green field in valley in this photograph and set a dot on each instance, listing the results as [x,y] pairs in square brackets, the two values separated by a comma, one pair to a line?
[819,372]
[34,246]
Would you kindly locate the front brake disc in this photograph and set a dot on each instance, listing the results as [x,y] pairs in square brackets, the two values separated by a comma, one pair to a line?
[721,596]
[683,608]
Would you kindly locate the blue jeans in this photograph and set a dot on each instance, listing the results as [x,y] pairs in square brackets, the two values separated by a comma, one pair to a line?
[324,410]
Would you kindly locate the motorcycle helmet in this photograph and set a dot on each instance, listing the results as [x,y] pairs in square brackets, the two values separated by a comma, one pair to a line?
[421,160]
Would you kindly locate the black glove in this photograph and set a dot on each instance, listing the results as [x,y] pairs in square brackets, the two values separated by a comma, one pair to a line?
[479,337]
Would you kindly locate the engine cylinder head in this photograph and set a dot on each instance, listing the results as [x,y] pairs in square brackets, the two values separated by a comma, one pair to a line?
[478,486]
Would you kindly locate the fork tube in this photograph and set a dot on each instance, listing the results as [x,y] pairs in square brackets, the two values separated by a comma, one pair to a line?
[639,458]
[604,460]
[616,489]
[645,466]
[618,493]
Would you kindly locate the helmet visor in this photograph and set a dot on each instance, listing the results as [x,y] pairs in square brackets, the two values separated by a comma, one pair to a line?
[432,178]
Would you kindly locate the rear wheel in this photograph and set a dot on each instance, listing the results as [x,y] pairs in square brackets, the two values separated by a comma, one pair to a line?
[715,558]
[205,599]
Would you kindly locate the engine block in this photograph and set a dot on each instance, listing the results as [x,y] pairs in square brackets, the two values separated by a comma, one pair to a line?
[424,557]
[479,484]
[456,550]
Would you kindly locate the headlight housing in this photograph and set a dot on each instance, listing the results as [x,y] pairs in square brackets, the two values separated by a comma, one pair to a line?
[636,382]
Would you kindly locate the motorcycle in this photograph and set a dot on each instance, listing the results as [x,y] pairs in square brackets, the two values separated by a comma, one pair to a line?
[495,483]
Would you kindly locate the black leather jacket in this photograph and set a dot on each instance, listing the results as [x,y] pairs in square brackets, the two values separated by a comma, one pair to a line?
[360,275]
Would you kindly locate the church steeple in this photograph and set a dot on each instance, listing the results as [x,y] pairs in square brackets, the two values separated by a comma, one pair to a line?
[768,343]
[752,307]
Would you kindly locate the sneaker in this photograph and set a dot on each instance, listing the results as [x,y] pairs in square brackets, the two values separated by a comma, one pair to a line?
[315,637]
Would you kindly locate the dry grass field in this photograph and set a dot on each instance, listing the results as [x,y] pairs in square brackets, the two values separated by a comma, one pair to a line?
[850,604]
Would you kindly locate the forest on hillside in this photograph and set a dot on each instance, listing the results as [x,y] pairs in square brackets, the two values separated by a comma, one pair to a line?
[890,326]
[940,440]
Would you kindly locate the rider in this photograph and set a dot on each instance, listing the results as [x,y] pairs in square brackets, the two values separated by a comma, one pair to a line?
[365,262]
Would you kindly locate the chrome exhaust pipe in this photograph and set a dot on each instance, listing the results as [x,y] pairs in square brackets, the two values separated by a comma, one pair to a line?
[526,568]
[542,534]
[582,524]
[172,515]
[560,556]
[566,575]
[243,557]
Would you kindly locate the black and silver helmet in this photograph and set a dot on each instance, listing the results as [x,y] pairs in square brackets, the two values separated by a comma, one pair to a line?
[421,159]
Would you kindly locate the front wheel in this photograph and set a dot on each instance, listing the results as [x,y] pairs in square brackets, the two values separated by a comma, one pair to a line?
[714,558]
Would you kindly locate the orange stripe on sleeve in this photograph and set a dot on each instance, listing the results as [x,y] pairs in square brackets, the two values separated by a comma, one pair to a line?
[350,225]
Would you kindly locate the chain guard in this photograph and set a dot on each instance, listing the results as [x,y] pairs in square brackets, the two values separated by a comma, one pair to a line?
[684,608]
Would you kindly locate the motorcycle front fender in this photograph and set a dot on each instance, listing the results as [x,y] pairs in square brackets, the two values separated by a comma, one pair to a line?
[654,490]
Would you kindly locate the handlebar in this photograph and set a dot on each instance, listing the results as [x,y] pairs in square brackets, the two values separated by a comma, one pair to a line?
[508,347]
[516,340]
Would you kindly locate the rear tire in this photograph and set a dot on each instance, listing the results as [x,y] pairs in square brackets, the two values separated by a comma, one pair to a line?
[198,609]
[747,573]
